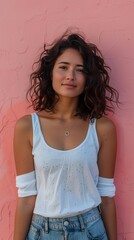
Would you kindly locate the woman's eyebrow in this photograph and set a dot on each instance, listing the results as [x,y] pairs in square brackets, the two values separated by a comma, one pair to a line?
[78,65]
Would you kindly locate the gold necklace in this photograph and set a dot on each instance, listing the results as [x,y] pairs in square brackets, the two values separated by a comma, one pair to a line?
[66,133]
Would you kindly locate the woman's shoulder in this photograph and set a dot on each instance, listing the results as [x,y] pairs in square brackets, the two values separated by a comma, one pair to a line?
[105,127]
[105,123]
[24,123]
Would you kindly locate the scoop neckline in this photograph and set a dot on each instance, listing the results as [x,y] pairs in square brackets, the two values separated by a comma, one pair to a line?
[60,150]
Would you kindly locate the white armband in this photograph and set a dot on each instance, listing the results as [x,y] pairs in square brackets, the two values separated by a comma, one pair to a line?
[26,184]
[106,187]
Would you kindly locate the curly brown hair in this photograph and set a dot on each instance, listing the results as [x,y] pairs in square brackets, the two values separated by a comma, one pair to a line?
[98,96]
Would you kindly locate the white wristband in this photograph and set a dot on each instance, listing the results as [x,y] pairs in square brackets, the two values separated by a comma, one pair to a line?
[106,187]
[26,184]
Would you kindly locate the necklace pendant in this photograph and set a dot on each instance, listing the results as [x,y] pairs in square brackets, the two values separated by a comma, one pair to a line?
[67,133]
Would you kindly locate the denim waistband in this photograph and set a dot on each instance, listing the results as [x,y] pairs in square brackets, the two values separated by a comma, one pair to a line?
[76,222]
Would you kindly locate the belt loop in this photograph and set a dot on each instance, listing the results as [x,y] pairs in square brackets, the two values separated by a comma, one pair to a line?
[46,225]
[66,234]
[82,225]
[99,208]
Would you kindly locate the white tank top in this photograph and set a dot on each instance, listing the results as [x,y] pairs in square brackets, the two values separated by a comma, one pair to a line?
[66,180]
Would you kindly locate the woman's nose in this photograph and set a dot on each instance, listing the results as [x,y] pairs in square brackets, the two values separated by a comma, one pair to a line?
[70,75]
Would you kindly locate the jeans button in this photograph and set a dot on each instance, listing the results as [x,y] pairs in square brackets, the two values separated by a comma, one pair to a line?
[66,223]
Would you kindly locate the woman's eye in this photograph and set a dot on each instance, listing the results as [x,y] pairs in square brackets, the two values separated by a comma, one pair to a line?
[63,67]
[80,70]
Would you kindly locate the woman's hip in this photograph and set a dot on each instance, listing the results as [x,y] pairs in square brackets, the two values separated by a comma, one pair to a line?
[88,225]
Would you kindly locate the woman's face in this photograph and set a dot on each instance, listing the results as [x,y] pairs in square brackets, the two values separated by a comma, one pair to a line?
[68,78]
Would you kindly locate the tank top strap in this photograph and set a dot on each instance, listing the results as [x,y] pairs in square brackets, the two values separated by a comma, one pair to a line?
[35,123]
[36,130]
[93,132]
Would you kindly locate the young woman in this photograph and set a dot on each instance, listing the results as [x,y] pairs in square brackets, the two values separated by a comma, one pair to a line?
[65,152]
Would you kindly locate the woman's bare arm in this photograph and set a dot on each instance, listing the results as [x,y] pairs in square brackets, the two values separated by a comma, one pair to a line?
[24,164]
[23,216]
[106,163]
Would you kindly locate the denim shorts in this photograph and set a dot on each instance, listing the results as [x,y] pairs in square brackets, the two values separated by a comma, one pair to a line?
[85,226]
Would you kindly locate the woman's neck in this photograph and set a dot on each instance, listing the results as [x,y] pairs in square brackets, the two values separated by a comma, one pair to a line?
[66,108]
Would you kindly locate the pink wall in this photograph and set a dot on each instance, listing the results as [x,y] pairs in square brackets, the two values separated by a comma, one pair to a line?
[24,25]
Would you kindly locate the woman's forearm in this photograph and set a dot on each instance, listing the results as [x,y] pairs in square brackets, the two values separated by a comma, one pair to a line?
[108,211]
[23,216]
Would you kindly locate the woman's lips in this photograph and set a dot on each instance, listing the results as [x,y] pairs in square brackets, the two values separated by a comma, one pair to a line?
[69,85]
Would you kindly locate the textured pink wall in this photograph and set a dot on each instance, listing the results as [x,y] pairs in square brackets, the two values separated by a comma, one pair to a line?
[24,25]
